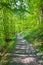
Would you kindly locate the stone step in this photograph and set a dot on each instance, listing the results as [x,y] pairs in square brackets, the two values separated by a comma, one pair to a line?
[19,56]
[20,48]
[20,44]
[25,52]
[18,63]
[23,55]
[23,46]
[20,51]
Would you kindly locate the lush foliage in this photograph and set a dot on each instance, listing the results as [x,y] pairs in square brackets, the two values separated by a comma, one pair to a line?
[23,17]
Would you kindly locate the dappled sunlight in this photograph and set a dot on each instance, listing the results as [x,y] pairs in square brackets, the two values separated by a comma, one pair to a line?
[24,60]
[28,60]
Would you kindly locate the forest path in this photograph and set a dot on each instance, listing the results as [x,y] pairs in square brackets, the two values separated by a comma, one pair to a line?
[23,53]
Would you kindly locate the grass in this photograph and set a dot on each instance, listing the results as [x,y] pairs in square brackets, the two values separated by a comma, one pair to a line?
[5,57]
[37,43]
[7,50]
[38,47]
[10,46]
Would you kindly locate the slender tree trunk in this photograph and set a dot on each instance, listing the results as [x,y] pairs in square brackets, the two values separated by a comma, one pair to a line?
[42,11]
